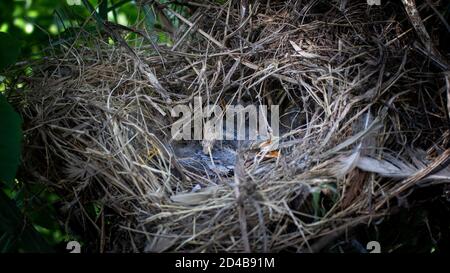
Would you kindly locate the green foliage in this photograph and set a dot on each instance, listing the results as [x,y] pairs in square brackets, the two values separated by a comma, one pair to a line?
[321,202]
[10,141]
[16,233]
[38,203]
[29,22]
[9,50]
[28,218]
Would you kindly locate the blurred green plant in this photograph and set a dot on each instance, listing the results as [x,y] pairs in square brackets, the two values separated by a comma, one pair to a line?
[16,232]
[28,218]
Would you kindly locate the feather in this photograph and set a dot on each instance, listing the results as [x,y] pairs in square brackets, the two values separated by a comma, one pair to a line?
[384,168]
[400,168]
[366,130]
[194,198]
[370,128]
[346,164]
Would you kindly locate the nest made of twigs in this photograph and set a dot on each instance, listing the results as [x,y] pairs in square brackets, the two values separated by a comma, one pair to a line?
[363,114]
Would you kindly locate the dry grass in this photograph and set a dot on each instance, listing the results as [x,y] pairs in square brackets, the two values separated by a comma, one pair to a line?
[365,124]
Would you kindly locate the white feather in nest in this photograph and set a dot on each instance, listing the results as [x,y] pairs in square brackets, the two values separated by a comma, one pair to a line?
[195,198]
[367,127]
[400,168]
[385,165]
[391,166]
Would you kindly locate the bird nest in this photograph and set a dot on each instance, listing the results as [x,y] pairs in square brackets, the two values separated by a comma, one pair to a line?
[363,122]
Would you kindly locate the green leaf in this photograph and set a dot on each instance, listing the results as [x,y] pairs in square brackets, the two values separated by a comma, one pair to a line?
[6,243]
[10,141]
[15,227]
[9,50]
[117,5]
[94,13]
[316,200]
[103,9]
[150,17]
